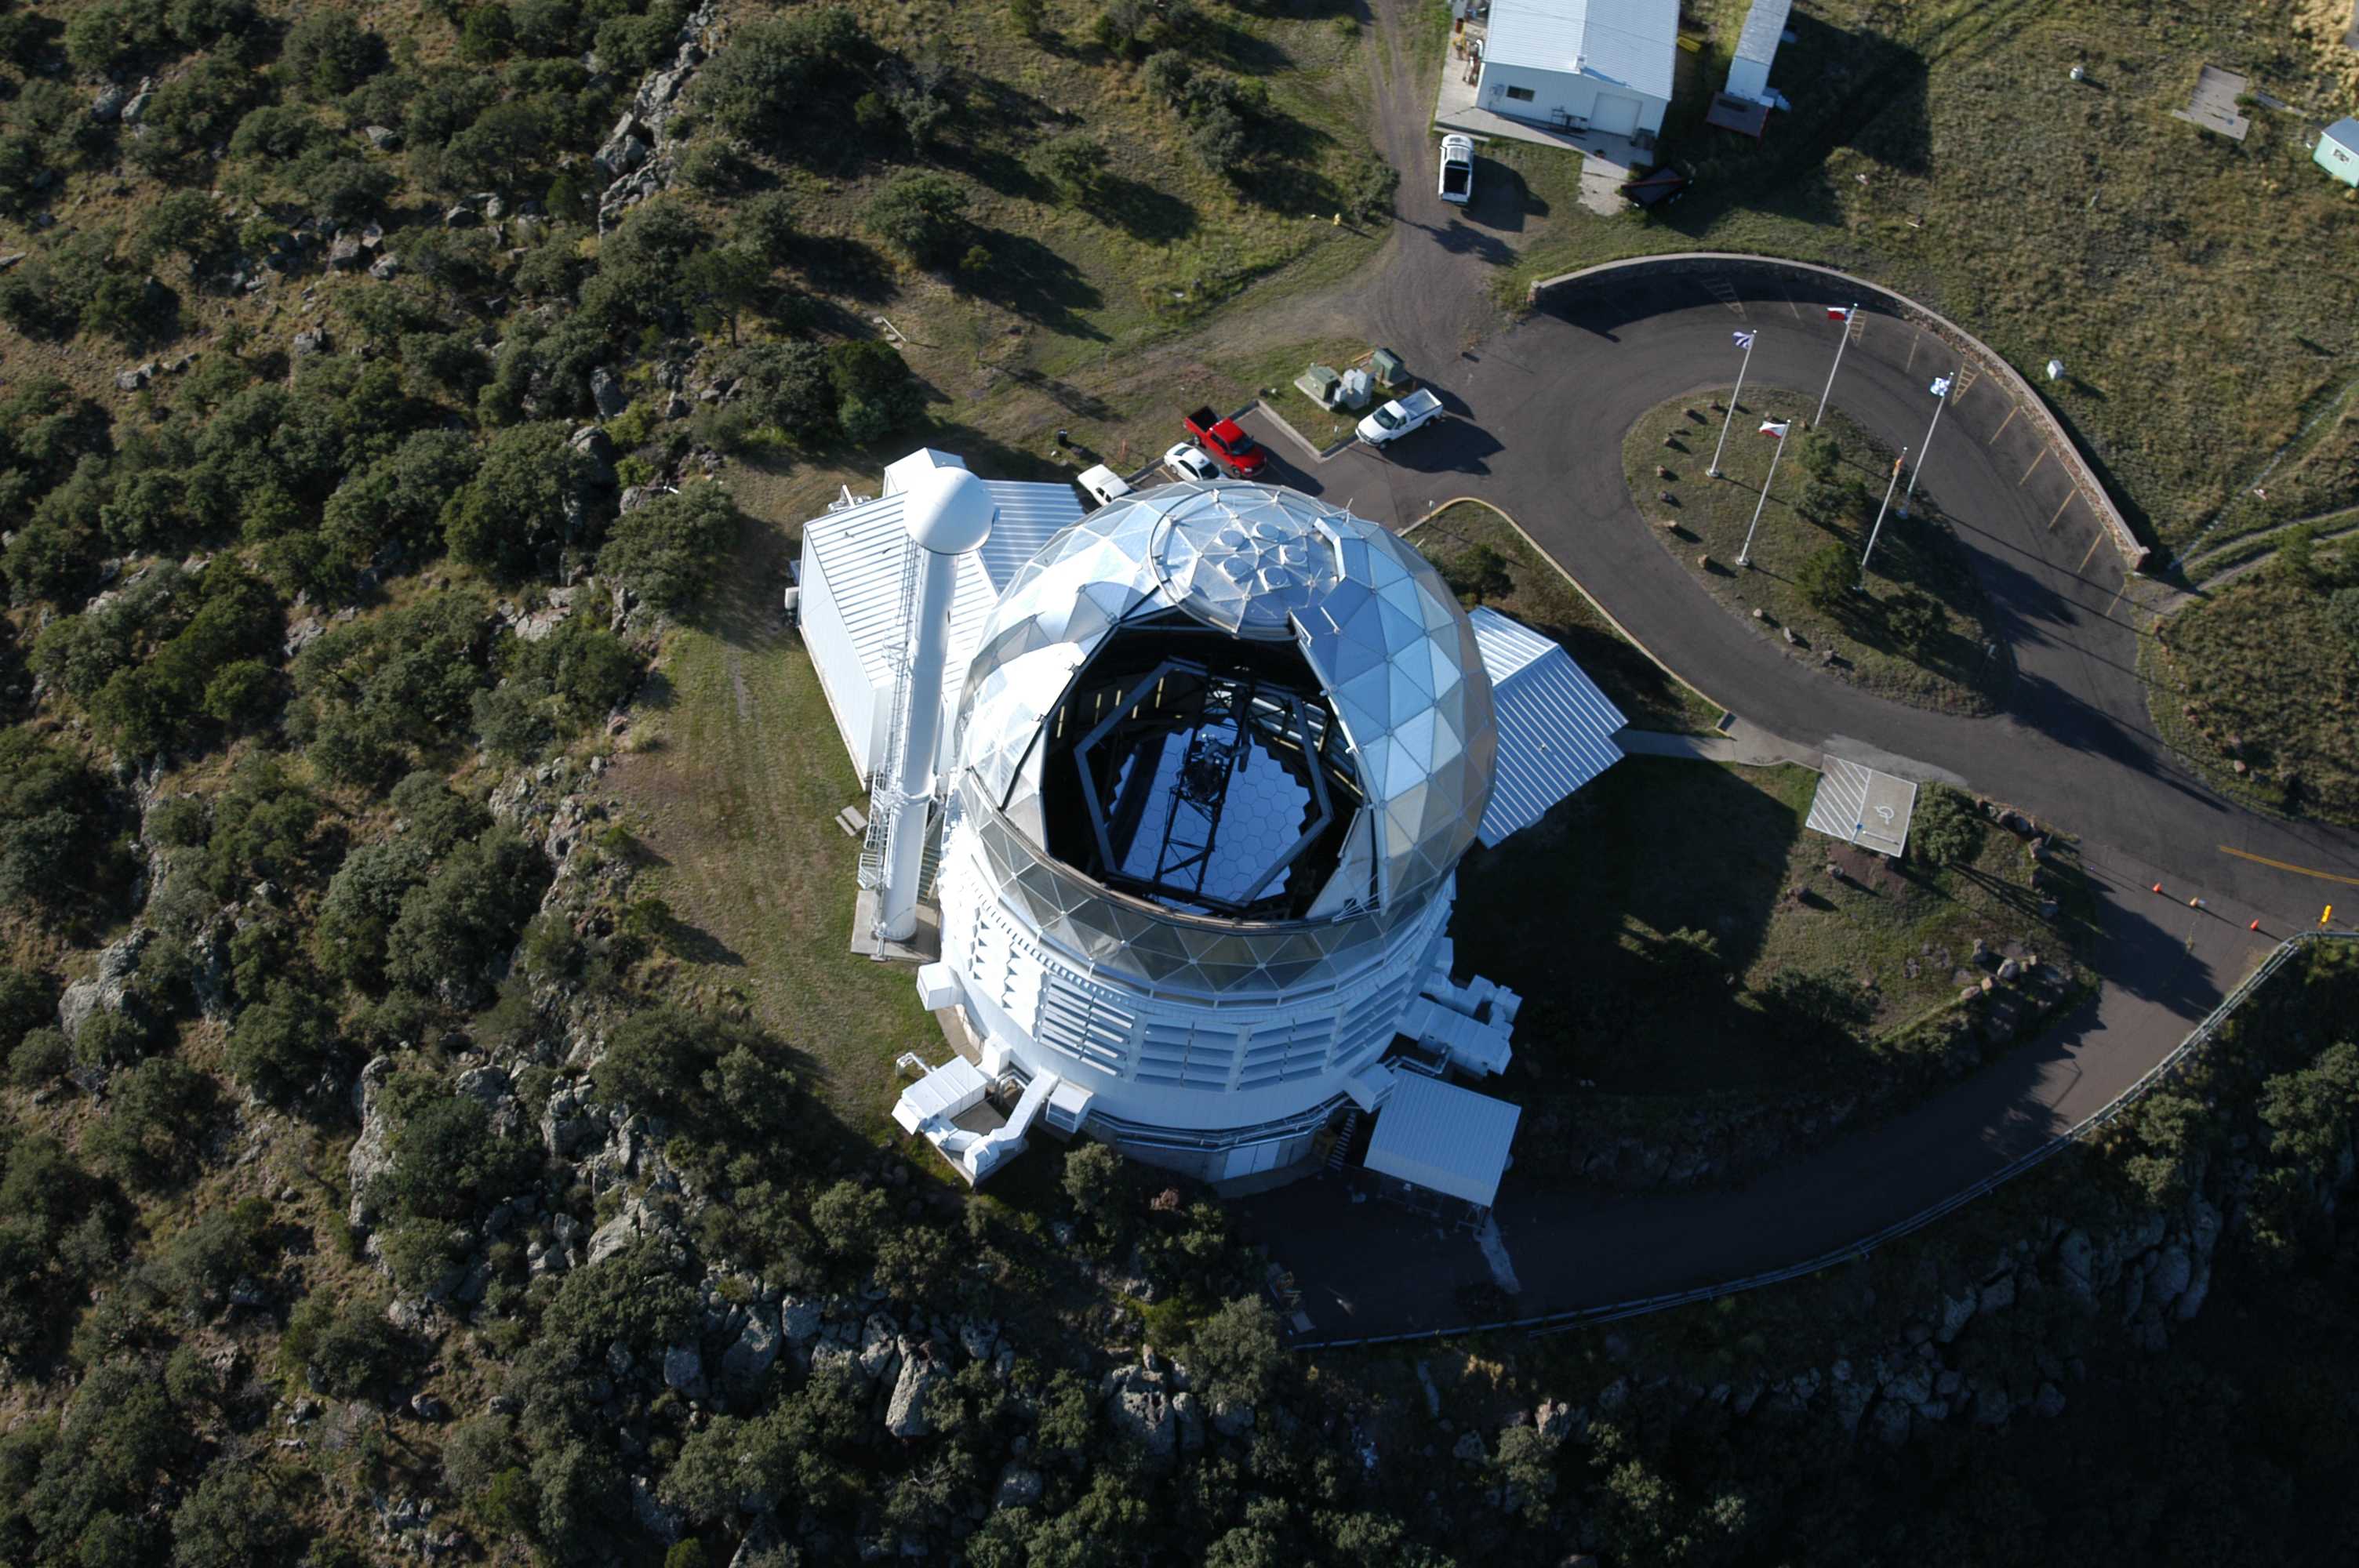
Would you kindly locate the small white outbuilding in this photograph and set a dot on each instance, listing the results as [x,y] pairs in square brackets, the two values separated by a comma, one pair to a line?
[1582,65]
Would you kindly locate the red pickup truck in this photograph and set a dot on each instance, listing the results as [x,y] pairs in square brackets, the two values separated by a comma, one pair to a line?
[1227,441]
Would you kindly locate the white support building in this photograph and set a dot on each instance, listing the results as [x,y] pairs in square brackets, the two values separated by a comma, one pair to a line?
[1213,753]
[1756,51]
[1602,66]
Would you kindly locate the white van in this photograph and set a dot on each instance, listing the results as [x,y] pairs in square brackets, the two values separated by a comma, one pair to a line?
[1103,485]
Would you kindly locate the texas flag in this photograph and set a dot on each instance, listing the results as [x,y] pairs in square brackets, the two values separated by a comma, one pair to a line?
[1744,340]
[1774,427]
[1837,313]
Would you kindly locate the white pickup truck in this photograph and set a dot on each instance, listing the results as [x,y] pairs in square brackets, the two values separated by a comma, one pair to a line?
[1399,417]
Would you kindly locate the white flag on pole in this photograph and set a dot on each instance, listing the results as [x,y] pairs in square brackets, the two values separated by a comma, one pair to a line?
[1773,428]
[1942,388]
[1744,340]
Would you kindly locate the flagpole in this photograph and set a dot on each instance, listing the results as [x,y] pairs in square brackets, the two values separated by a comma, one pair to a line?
[1745,556]
[1713,471]
[1908,496]
[1872,533]
[1842,343]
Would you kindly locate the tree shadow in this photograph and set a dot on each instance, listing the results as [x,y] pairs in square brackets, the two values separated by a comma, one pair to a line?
[1029,278]
[1141,210]
[1073,399]
[844,265]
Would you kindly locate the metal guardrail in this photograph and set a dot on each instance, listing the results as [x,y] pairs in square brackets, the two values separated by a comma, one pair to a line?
[2168,1067]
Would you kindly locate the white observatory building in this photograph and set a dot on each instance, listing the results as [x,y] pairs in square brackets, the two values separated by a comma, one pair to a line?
[1181,785]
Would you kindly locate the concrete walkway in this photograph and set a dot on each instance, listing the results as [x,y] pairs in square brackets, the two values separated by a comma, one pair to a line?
[1742,742]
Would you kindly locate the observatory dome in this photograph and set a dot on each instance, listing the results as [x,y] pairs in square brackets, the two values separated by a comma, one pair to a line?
[1227,703]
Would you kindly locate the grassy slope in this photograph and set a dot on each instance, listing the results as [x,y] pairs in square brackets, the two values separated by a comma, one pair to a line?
[1712,516]
[2260,665]
[2197,290]
[736,803]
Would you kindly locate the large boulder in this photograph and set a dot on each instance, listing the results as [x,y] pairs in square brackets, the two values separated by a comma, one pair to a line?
[371,1152]
[683,1371]
[1138,1408]
[1019,1487]
[607,391]
[904,1411]
[1956,1312]
[743,1364]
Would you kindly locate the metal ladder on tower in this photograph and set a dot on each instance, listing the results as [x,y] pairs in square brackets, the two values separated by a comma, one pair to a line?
[884,781]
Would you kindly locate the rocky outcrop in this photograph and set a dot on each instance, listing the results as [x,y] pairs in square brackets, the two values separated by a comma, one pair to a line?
[372,1153]
[113,988]
[635,160]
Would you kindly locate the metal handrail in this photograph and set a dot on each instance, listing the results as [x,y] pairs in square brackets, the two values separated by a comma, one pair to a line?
[1583,1317]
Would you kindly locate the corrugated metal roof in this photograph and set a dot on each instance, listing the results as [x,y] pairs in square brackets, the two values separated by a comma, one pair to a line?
[1630,43]
[1765,27]
[1444,1139]
[861,550]
[1556,729]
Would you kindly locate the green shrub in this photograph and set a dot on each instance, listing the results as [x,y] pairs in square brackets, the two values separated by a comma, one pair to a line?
[262,830]
[284,1043]
[920,215]
[1827,577]
[1945,829]
[666,550]
[340,1348]
[633,45]
[53,824]
[111,34]
[117,1450]
[39,1056]
[776,76]
[157,1113]
[453,927]
[222,1246]
[372,695]
[487,32]
[112,1039]
[28,1001]
[876,392]
[528,496]
[188,113]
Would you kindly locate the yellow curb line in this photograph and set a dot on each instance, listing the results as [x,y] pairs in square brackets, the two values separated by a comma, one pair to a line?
[1541,551]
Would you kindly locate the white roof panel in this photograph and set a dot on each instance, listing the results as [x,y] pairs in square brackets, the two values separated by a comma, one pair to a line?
[1765,26]
[861,550]
[1626,43]
[1444,1139]
[1556,729]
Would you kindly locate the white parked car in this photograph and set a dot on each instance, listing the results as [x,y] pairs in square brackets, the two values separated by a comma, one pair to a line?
[1458,169]
[1187,461]
[1103,485]
[1399,417]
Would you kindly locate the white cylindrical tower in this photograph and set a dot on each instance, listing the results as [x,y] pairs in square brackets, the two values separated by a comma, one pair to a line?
[949,513]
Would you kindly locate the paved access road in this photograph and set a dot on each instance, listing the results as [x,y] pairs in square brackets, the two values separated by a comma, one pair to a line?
[1541,413]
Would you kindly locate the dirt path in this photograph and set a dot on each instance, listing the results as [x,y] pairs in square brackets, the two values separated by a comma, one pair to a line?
[1428,294]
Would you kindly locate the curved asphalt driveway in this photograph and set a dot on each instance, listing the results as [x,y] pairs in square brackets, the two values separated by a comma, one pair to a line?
[1542,410]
